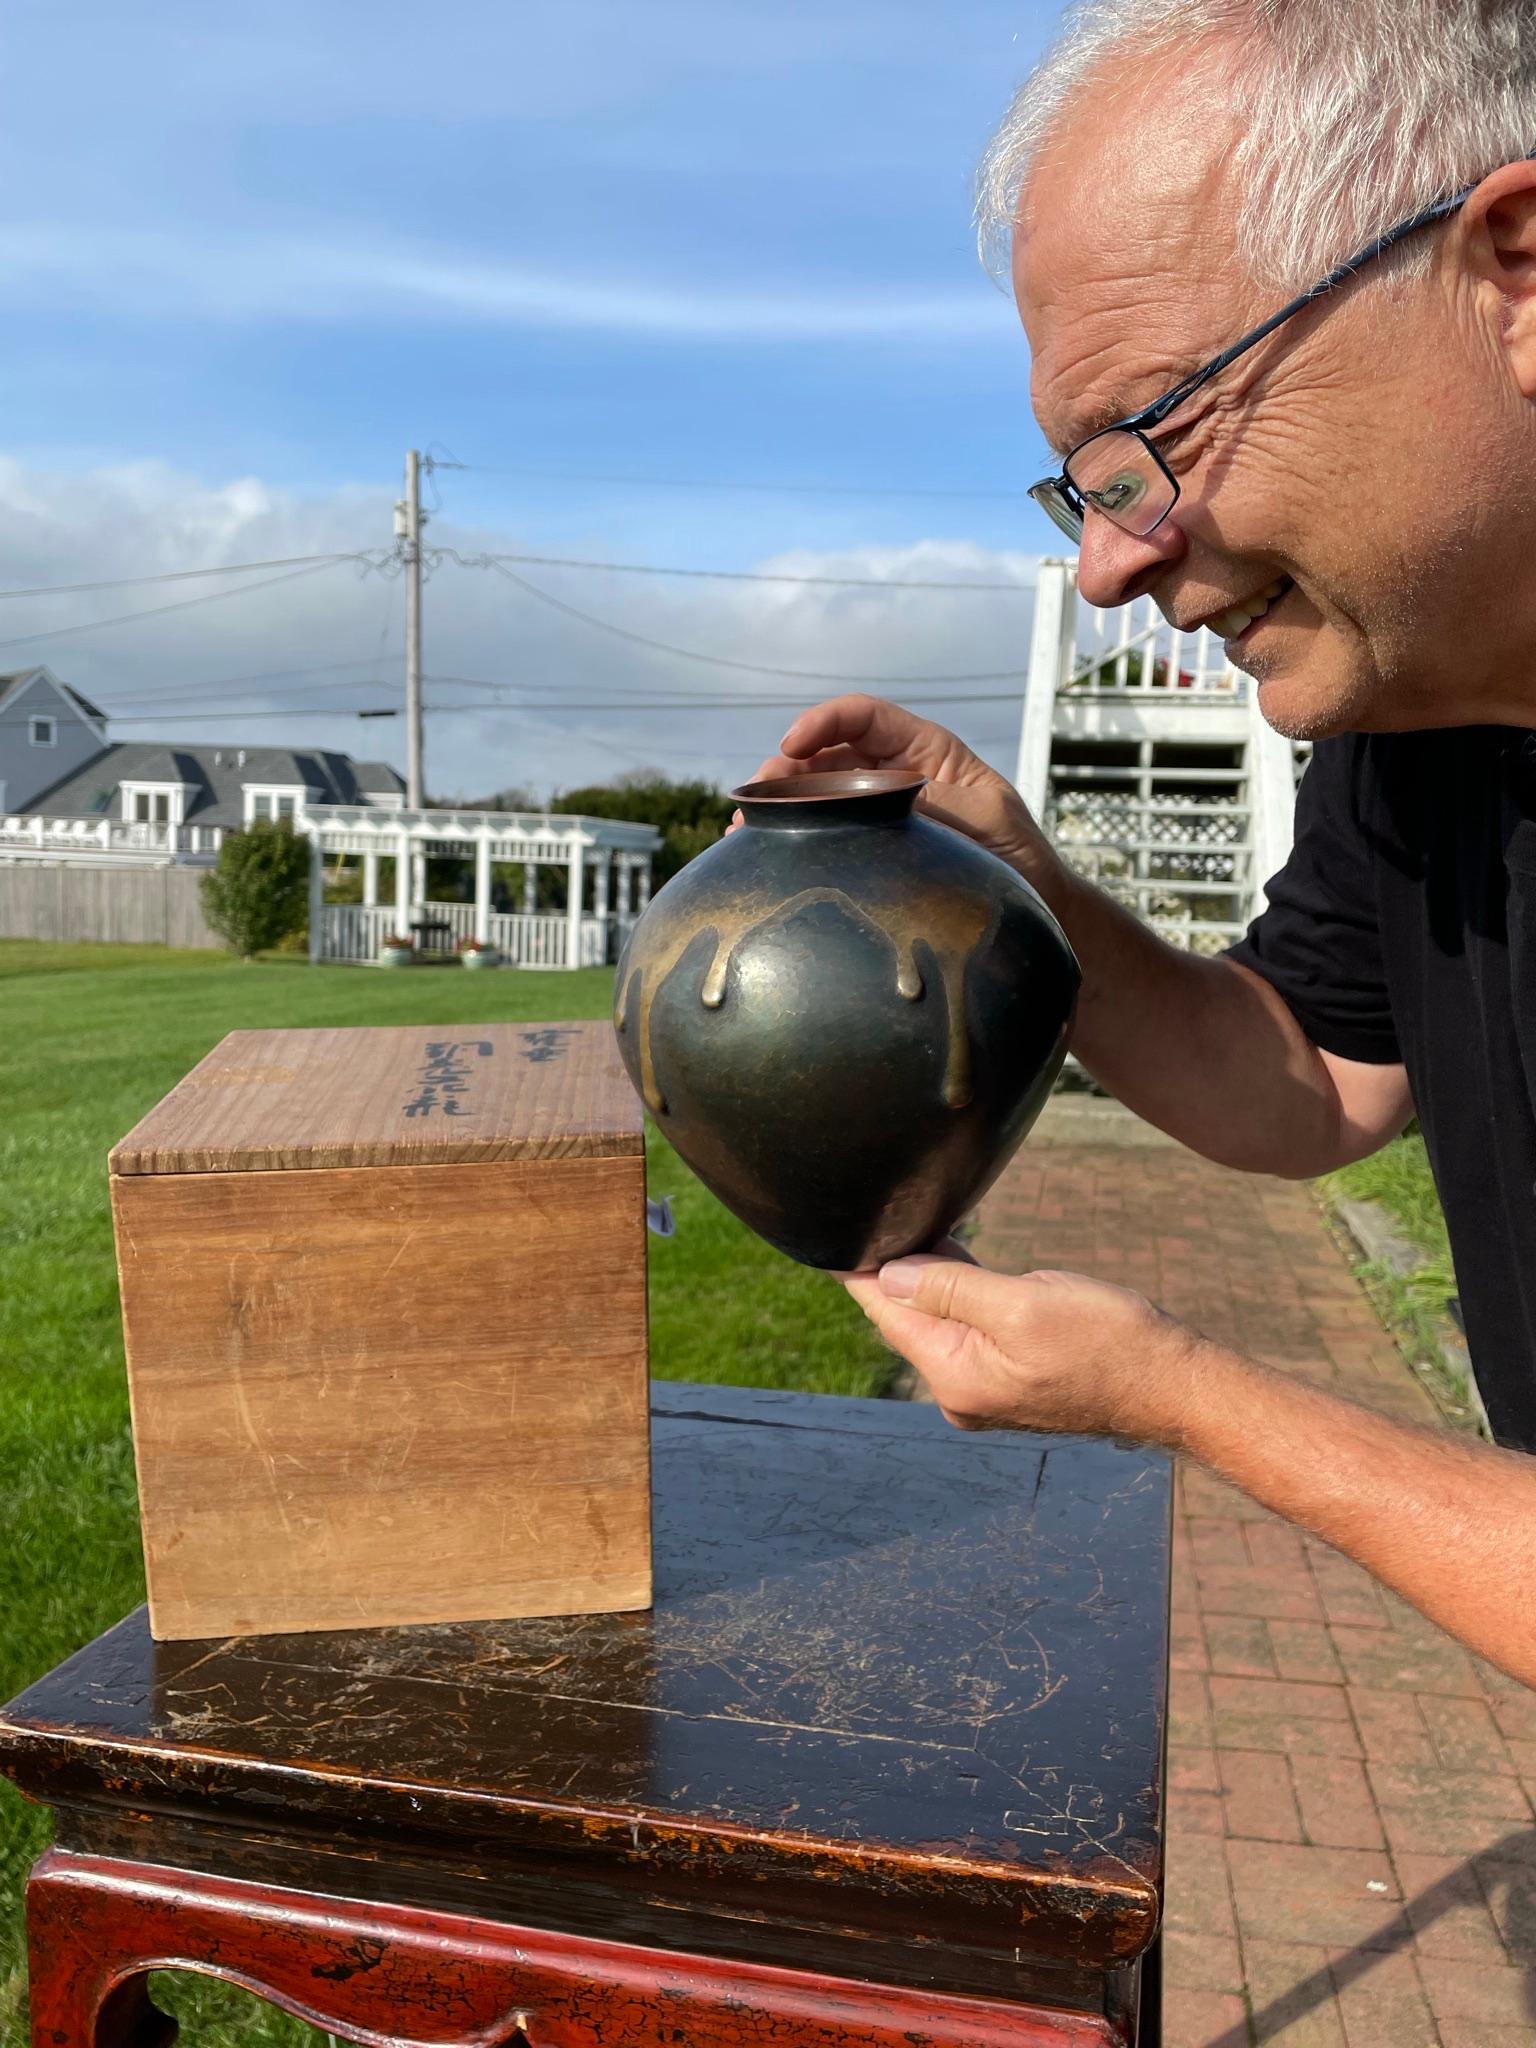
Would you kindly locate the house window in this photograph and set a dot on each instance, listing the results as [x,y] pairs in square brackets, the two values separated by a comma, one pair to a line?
[271,803]
[43,732]
[151,807]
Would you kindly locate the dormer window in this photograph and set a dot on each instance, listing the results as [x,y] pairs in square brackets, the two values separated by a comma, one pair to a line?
[154,803]
[273,800]
[43,731]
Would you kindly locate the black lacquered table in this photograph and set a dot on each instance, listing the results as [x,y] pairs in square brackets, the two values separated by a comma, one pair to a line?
[884,1764]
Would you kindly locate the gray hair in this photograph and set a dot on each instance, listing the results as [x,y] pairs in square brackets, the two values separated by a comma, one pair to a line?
[1356,113]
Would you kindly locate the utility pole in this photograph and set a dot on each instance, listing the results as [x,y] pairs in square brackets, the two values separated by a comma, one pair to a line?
[408,532]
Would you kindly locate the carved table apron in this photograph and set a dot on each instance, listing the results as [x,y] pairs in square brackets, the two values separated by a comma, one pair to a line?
[883,1765]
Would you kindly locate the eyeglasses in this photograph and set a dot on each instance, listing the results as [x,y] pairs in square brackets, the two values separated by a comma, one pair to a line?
[1118,472]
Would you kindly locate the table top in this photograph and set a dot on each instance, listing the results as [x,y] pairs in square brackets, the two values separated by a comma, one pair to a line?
[896,1679]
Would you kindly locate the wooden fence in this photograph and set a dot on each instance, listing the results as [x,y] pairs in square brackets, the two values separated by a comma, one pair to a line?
[128,906]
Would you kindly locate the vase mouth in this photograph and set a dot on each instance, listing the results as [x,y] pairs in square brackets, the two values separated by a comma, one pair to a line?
[837,785]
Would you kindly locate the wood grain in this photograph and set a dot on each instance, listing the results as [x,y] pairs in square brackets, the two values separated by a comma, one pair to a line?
[427,1095]
[382,1395]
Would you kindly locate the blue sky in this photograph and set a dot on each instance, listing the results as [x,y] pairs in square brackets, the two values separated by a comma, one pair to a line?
[252,255]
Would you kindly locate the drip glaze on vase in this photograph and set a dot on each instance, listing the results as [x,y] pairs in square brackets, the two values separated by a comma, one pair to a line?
[845,1017]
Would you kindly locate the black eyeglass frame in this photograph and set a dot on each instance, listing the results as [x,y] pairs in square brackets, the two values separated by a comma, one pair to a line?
[1060,499]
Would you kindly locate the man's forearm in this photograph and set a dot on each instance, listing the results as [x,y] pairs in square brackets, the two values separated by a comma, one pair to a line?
[1199,1047]
[1447,1522]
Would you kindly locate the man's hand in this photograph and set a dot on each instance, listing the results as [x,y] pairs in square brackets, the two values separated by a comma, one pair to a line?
[1445,1521]
[1046,1351]
[962,791]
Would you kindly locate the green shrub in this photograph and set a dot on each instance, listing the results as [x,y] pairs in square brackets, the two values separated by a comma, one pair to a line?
[689,815]
[258,895]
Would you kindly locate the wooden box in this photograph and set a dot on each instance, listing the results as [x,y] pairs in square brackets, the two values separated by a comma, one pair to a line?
[384,1301]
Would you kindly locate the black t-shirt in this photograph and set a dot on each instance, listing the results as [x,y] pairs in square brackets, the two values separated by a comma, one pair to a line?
[1403,928]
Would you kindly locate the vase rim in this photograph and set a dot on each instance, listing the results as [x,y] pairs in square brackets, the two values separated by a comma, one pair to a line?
[832,786]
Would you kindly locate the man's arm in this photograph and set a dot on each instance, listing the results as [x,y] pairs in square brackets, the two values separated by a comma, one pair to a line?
[1209,1052]
[1203,1048]
[1447,1522]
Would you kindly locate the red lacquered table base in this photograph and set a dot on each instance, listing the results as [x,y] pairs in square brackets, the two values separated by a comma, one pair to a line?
[395,1977]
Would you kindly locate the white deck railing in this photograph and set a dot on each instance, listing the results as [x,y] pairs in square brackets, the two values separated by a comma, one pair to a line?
[43,838]
[1134,648]
[1132,756]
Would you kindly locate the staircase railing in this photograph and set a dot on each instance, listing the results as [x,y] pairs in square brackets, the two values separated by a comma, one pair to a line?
[1190,846]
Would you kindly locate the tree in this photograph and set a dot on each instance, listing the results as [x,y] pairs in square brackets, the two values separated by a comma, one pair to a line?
[258,894]
[689,815]
[518,798]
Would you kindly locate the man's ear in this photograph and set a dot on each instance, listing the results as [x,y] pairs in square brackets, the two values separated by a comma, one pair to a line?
[1496,231]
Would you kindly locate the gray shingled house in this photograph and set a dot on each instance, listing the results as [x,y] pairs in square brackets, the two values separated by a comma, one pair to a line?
[47,730]
[151,782]
[67,793]
[109,847]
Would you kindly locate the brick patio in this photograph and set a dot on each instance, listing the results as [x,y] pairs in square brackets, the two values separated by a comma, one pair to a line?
[1352,1854]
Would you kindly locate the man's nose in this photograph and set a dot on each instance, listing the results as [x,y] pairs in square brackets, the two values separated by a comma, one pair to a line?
[1114,566]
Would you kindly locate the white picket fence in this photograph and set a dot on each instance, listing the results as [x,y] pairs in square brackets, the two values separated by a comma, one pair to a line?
[539,940]
[356,932]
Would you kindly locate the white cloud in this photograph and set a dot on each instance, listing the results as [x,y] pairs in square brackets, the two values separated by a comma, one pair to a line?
[312,650]
[175,275]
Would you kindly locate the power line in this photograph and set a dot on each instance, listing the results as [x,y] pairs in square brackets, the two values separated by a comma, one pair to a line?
[231,713]
[274,675]
[376,686]
[517,710]
[693,704]
[756,668]
[676,483]
[174,575]
[619,753]
[176,692]
[736,575]
[520,709]
[677,695]
[182,604]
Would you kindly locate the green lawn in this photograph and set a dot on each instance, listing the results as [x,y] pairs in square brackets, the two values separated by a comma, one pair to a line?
[1415,1306]
[90,1038]
[1398,1178]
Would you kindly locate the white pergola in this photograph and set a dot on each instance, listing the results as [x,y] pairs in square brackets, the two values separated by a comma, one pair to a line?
[617,853]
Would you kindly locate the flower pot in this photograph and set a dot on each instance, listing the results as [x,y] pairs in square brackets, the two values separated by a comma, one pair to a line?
[845,1017]
[396,956]
[489,957]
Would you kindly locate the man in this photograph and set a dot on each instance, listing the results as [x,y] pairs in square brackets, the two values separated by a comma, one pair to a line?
[1350,499]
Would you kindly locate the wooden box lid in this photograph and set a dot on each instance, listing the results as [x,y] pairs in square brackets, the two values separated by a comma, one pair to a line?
[427,1095]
